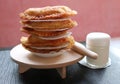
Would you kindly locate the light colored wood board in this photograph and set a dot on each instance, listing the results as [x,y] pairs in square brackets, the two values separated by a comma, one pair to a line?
[24,57]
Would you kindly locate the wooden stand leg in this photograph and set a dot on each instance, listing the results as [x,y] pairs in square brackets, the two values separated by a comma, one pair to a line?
[23,68]
[62,72]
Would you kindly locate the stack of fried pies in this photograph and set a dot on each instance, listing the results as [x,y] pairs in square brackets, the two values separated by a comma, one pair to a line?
[48,30]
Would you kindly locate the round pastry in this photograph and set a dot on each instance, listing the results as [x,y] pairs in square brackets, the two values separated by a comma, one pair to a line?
[35,41]
[43,33]
[45,51]
[47,48]
[49,12]
[49,24]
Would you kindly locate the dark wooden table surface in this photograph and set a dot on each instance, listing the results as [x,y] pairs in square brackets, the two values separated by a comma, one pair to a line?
[76,74]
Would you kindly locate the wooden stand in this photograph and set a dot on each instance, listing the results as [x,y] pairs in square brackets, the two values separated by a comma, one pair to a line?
[27,60]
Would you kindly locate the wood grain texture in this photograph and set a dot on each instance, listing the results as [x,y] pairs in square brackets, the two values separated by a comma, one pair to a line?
[76,74]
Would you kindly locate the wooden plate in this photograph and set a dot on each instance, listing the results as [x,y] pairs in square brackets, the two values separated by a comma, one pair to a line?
[24,57]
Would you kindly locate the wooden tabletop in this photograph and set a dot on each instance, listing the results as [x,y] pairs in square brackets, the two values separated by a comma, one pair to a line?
[76,73]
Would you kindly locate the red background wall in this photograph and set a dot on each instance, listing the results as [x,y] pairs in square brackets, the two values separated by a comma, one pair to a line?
[93,15]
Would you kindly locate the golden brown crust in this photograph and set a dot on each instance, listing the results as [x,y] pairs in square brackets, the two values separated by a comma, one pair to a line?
[49,12]
[37,42]
[47,27]
[58,24]
[42,43]
[41,50]
[42,33]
